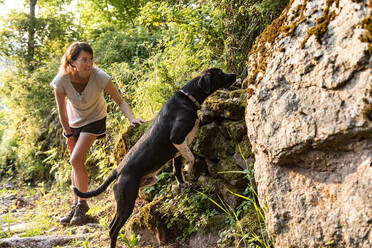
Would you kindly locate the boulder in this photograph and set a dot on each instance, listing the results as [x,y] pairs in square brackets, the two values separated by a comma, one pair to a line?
[310,126]
[210,142]
[128,139]
[223,104]
[147,223]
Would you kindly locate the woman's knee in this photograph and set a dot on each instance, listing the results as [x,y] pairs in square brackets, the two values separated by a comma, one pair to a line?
[77,162]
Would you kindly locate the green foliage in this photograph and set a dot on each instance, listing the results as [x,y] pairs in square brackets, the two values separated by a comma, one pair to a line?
[52,33]
[132,243]
[243,21]
[118,11]
[116,46]
[187,213]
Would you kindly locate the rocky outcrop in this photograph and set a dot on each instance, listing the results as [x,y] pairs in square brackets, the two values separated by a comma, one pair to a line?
[309,122]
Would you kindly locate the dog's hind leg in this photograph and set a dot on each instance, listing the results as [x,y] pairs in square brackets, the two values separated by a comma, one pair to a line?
[177,170]
[125,191]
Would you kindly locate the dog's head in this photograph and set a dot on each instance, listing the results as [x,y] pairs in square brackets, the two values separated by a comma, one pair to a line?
[213,79]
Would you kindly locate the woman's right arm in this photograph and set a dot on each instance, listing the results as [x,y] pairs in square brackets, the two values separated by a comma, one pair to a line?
[62,112]
[63,119]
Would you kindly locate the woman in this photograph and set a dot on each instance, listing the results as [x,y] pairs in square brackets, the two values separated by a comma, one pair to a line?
[83,114]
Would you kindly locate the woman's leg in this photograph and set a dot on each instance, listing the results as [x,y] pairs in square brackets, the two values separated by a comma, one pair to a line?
[79,171]
[79,176]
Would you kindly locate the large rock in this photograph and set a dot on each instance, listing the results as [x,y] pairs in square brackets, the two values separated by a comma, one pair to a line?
[309,122]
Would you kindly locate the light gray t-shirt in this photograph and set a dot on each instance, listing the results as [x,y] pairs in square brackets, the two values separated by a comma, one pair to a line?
[88,106]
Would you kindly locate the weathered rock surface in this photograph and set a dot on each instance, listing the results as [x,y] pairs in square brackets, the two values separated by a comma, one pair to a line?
[39,241]
[309,122]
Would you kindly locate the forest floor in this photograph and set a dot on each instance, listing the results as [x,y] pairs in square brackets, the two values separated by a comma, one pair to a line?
[29,218]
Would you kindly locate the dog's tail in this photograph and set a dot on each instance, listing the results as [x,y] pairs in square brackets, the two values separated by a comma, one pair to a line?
[100,189]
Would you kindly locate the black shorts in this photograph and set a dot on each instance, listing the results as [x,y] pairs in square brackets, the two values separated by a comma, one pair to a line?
[97,128]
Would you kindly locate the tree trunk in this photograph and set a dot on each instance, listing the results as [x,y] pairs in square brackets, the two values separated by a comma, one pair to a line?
[31,36]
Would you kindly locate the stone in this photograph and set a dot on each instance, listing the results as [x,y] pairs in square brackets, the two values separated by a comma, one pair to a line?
[309,126]
[17,227]
[40,241]
[148,224]
[236,130]
[223,104]
[203,240]
[211,143]
[231,173]
[226,191]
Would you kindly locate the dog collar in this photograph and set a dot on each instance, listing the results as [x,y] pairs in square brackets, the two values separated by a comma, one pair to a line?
[197,104]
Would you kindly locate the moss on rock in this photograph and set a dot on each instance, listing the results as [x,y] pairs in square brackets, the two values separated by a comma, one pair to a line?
[127,140]
[211,143]
[367,25]
[244,148]
[226,104]
[214,224]
[133,134]
[322,23]
[235,129]
[229,170]
[249,222]
[260,50]
[147,223]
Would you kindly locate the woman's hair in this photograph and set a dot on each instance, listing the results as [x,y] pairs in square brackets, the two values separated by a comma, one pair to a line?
[71,54]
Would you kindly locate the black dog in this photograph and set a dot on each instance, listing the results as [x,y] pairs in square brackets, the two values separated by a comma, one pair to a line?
[168,137]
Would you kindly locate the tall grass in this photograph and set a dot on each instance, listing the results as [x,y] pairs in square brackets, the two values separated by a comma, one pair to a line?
[250,238]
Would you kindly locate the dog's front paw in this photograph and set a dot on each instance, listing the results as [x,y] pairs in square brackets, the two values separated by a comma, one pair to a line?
[189,165]
[183,186]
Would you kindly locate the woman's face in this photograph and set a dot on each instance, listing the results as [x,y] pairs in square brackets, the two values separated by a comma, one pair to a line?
[83,64]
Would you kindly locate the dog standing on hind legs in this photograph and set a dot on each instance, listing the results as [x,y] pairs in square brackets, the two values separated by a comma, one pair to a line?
[167,138]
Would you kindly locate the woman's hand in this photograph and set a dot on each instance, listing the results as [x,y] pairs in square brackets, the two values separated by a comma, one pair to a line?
[135,121]
[71,142]
[124,107]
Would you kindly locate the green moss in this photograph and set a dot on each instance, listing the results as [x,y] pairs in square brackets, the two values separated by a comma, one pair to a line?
[188,212]
[215,101]
[214,224]
[367,25]
[229,170]
[322,23]
[249,223]
[225,103]
[145,217]
[128,139]
[244,148]
[236,130]
[259,51]
[238,94]
[133,134]
[211,143]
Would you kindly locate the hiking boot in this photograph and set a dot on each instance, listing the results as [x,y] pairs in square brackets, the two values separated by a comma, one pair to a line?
[79,217]
[66,220]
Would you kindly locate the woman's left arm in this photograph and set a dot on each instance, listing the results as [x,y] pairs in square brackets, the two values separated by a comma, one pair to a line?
[124,107]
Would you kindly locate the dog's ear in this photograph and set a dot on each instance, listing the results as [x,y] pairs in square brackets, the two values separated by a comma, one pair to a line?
[205,84]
